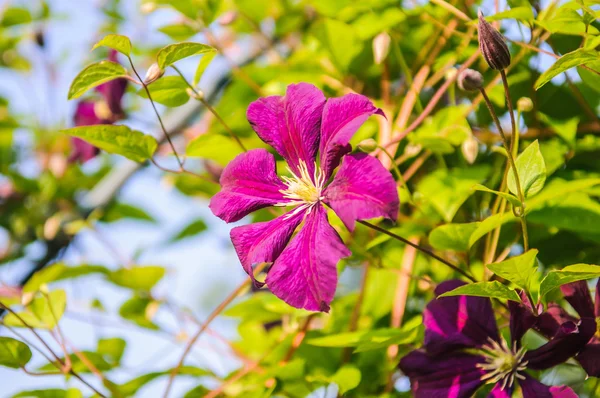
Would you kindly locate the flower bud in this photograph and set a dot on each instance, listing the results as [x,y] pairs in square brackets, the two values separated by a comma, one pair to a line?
[469,80]
[381,47]
[153,74]
[470,149]
[492,45]
[412,150]
[451,73]
[368,145]
[524,104]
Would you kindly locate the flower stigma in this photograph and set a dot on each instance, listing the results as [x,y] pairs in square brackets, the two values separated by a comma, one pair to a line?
[303,190]
[503,364]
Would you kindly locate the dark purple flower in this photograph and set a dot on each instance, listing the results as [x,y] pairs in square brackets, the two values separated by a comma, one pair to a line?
[298,125]
[85,115]
[113,92]
[578,295]
[463,350]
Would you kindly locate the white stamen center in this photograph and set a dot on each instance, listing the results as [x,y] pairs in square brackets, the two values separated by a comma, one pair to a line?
[303,190]
[503,364]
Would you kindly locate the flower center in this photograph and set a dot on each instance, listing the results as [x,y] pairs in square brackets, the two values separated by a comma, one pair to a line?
[503,364]
[303,189]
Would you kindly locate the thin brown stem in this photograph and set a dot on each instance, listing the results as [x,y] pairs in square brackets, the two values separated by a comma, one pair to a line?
[419,248]
[513,123]
[162,126]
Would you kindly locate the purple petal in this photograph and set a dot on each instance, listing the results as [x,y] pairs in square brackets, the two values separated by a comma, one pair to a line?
[578,295]
[568,341]
[342,117]
[85,114]
[290,124]
[455,375]
[597,303]
[362,189]
[549,321]
[534,389]
[589,358]
[457,322]
[521,320]
[263,242]
[499,392]
[305,274]
[82,151]
[248,183]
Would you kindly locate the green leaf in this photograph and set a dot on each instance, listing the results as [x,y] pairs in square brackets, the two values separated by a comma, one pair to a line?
[118,211]
[340,40]
[452,236]
[139,310]
[566,129]
[523,13]
[168,90]
[50,393]
[60,271]
[119,43]
[532,171]
[492,289]
[570,273]
[12,16]
[214,147]
[178,32]
[80,367]
[94,75]
[519,269]
[202,65]
[349,339]
[566,62]
[117,139]
[347,378]
[113,348]
[193,228]
[39,314]
[13,353]
[172,53]
[137,278]
[510,198]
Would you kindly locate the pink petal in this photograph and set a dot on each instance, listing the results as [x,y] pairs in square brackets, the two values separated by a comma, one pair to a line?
[499,392]
[263,242]
[341,119]
[113,91]
[305,274]
[362,189]
[85,114]
[291,123]
[248,183]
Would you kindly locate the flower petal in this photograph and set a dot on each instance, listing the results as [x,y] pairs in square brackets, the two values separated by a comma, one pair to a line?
[589,358]
[550,320]
[82,151]
[248,183]
[305,274]
[263,242]
[578,295]
[568,341]
[597,302]
[362,189]
[457,322]
[342,116]
[455,375]
[499,392]
[521,320]
[113,91]
[534,389]
[85,114]
[291,123]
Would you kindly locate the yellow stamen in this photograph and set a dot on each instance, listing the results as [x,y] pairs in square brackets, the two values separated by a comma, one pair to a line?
[303,190]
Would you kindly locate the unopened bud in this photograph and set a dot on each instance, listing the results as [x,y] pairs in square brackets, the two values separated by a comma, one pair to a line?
[524,104]
[469,80]
[153,74]
[492,45]
[147,8]
[381,47]
[27,298]
[228,18]
[368,145]
[451,73]
[470,149]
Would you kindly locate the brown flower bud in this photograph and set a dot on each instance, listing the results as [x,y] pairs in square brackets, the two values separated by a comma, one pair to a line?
[153,74]
[492,45]
[381,47]
[469,80]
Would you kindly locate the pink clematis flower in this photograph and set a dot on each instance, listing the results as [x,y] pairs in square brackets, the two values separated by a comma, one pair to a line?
[105,111]
[297,126]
